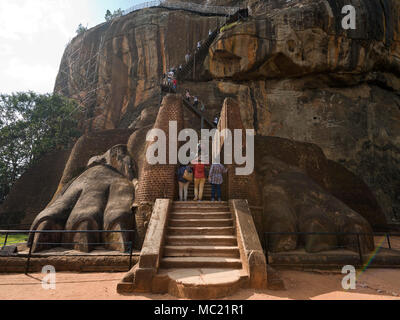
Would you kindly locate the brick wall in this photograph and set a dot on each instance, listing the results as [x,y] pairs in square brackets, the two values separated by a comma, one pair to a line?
[158,181]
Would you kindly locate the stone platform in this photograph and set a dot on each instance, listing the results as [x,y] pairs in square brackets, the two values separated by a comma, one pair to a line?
[201,283]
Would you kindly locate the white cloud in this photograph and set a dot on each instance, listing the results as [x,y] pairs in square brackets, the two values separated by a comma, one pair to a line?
[34,76]
[33,35]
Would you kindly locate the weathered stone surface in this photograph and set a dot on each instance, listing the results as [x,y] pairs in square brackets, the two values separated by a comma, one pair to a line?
[331,176]
[295,203]
[67,263]
[306,37]
[137,49]
[140,278]
[88,146]
[251,251]
[118,158]
[99,199]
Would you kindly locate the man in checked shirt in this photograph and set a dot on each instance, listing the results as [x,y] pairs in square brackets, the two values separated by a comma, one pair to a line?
[216,179]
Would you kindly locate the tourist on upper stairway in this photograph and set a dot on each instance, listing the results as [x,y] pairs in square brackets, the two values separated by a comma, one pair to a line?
[187,57]
[174,84]
[202,107]
[184,171]
[198,45]
[216,179]
[209,32]
[195,102]
[187,95]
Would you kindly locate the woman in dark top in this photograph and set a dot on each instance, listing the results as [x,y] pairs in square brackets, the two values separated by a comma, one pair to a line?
[183,183]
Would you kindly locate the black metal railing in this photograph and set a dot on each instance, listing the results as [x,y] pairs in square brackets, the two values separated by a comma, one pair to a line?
[129,244]
[386,240]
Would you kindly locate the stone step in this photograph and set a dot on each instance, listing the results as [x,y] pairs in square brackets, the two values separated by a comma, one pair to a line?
[203,203]
[201,251]
[206,186]
[216,231]
[192,207]
[203,283]
[200,215]
[201,240]
[200,223]
[201,262]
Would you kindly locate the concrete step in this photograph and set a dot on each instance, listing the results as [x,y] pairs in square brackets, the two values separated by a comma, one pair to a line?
[201,240]
[200,223]
[219,231]
[201,262]
[200,215]
[201,251]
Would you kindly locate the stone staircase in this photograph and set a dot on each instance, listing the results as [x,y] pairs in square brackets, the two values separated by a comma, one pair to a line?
[198,250]
[201,235]
[206,191]
[201,256]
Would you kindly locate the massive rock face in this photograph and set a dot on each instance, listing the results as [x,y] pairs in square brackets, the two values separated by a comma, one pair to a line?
[302,76]
[133,52]
[294,71]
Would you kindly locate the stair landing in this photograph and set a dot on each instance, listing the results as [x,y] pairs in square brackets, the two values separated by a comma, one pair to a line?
[203,283]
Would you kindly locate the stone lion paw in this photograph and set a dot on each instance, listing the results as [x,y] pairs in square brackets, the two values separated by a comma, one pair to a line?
[99,199]
[293,202]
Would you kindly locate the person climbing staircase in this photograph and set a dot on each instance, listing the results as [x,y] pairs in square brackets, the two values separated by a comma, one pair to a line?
[198,57]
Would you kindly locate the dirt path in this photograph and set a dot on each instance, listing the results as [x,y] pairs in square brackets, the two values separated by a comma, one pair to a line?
[373,284]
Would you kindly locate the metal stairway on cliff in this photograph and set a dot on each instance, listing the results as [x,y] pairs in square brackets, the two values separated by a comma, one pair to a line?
[202,52]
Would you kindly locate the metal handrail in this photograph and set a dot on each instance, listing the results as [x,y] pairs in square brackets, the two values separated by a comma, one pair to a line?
[221,10]
[8,232]
[357,234]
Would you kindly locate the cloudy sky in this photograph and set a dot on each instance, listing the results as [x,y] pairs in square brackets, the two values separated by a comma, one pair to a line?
[34,33]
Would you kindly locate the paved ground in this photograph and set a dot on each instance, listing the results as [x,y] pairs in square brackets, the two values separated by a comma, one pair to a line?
[373,284]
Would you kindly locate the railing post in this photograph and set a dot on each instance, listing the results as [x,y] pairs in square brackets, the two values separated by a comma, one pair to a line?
[29,259]
[130,256]
[194,66]
[388,240]
[359,248]
[5,240]
[266,247]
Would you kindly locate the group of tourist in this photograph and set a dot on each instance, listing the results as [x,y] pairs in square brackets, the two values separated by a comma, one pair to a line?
[200,172]
[196,102]
[170,79]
